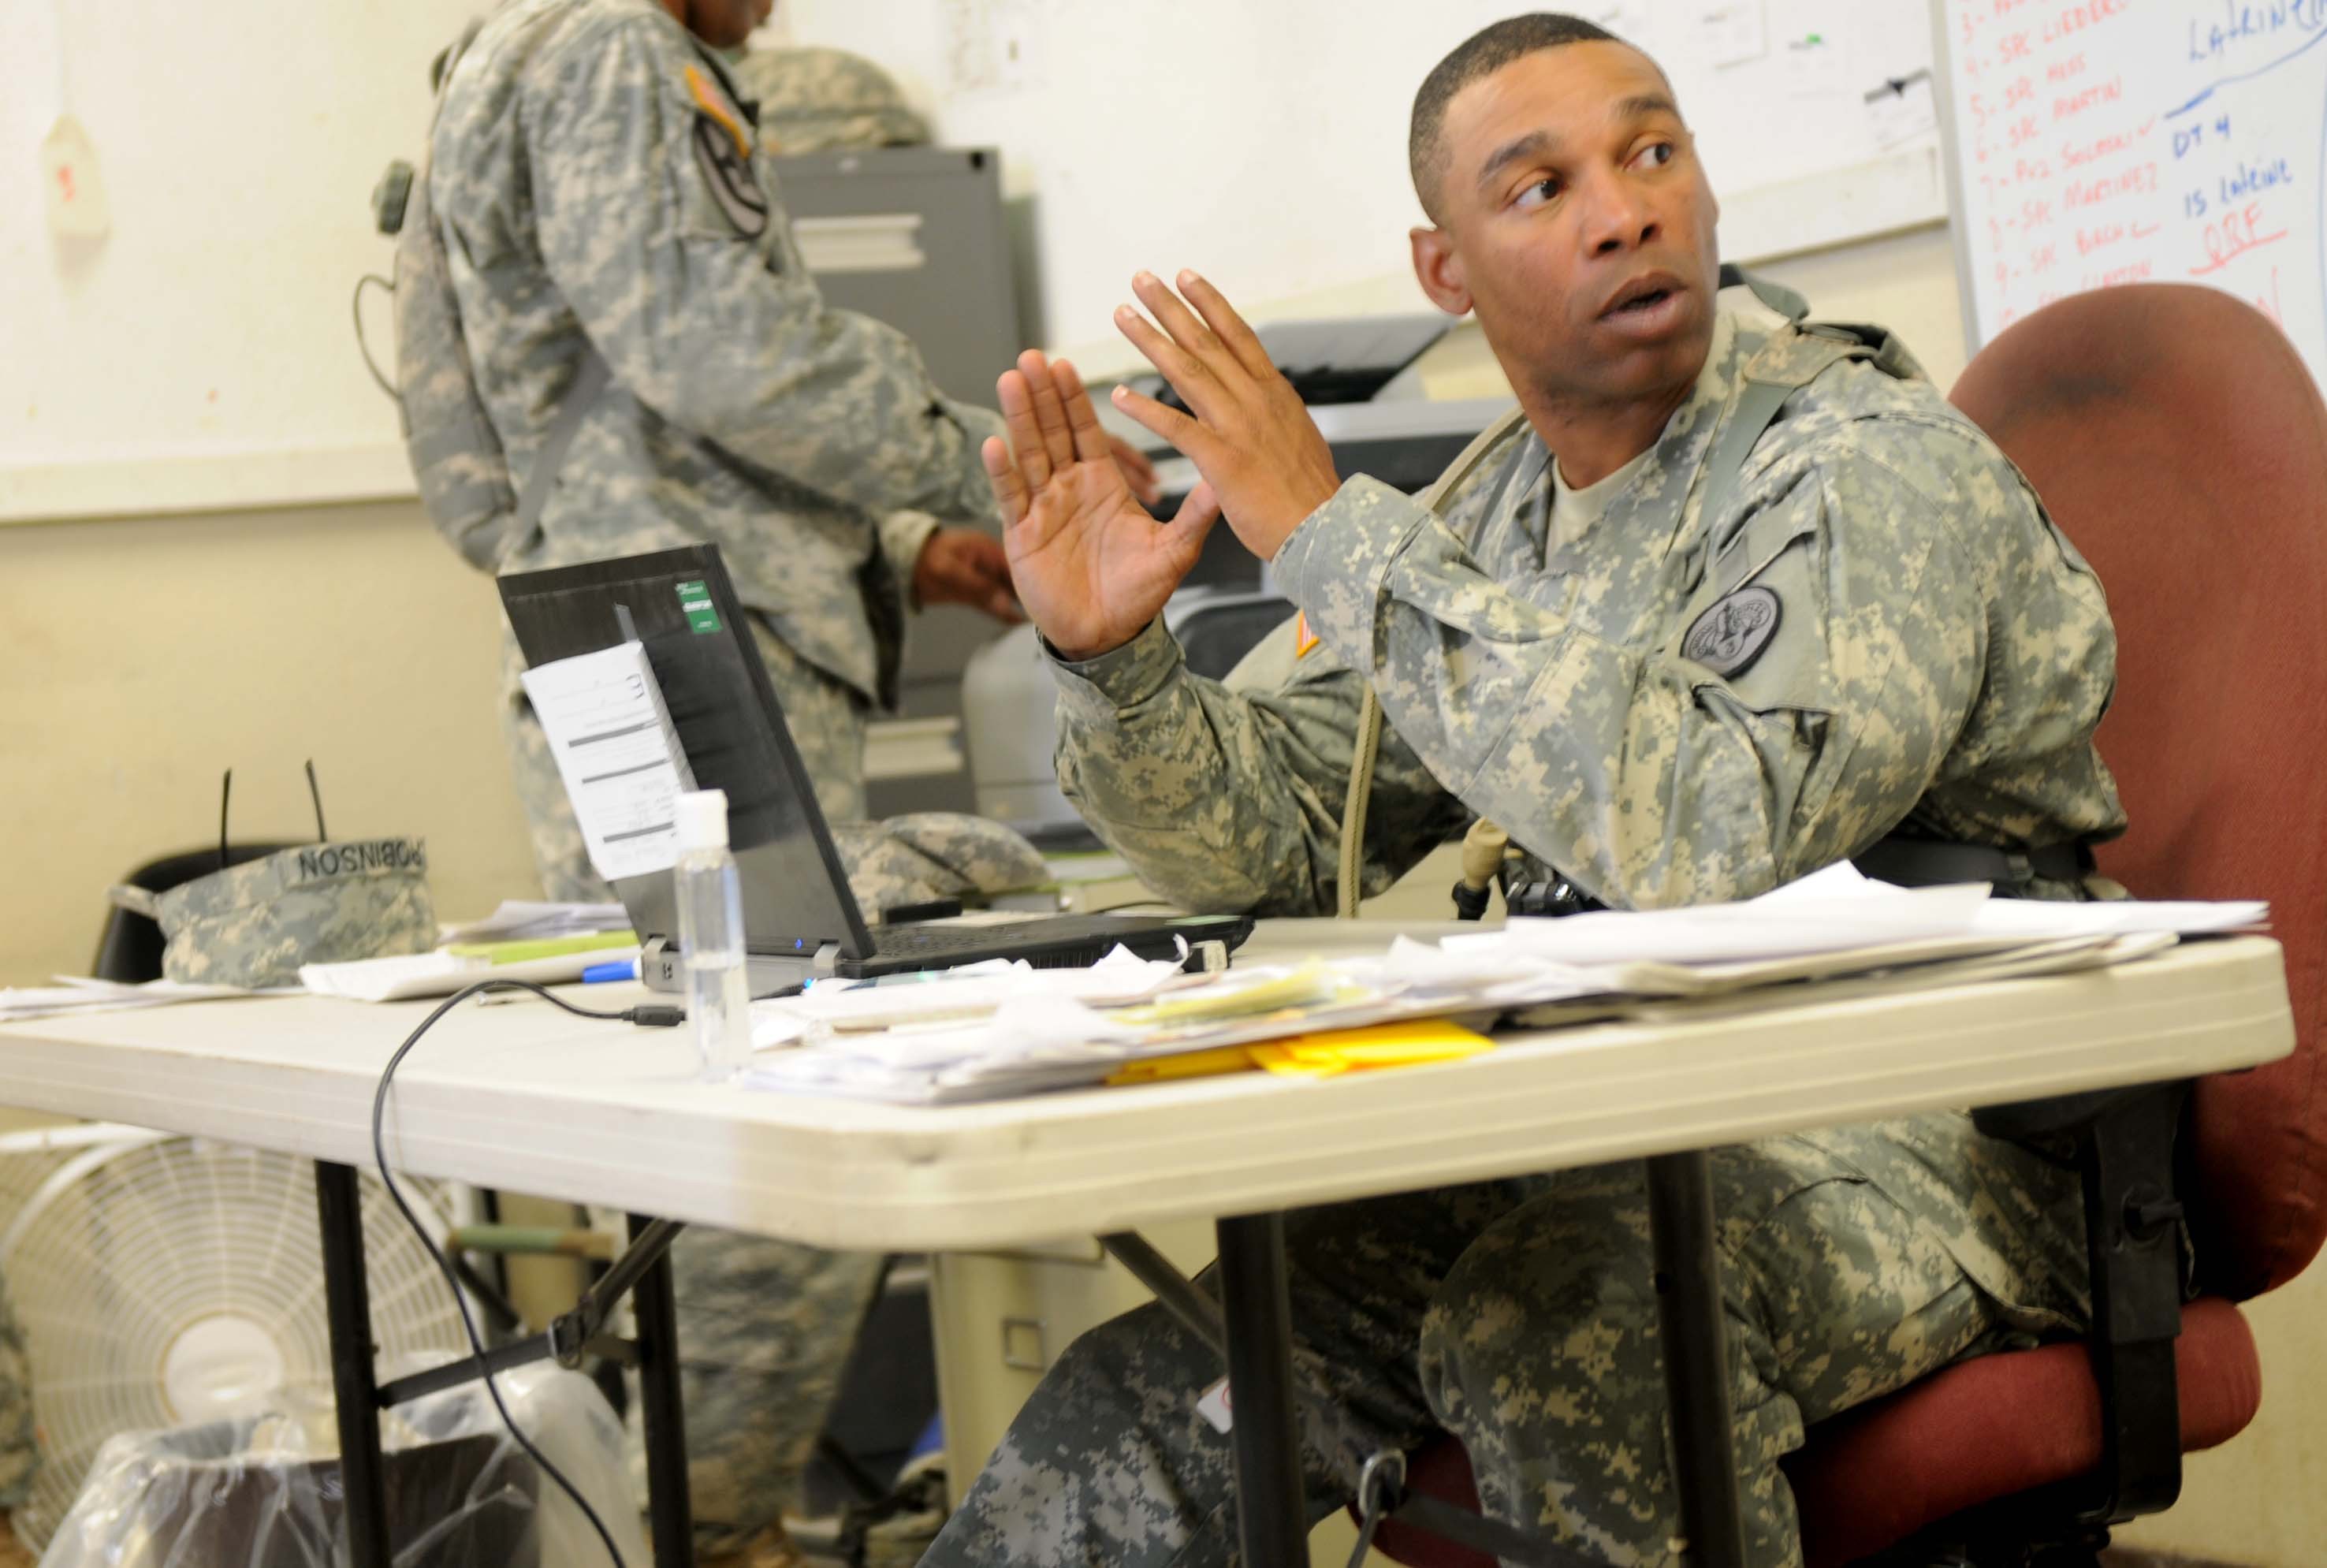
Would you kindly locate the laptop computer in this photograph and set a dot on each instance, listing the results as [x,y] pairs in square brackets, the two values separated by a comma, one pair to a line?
[800,920]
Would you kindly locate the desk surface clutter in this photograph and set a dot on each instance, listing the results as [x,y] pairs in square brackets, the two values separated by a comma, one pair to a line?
[1733,1024]
[1001,1029]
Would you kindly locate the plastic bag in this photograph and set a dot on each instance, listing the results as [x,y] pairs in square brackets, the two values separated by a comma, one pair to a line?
[263,1491]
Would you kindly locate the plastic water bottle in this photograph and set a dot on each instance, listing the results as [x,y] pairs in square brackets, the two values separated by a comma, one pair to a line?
[711,936]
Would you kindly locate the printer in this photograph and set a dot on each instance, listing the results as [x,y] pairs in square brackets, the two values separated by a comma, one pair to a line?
[1358,378]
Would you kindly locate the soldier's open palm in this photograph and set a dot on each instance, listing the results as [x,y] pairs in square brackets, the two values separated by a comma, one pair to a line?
[1090,566]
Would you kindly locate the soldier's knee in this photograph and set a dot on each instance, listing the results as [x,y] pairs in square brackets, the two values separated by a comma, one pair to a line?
[1567,1276]
[1116,1349]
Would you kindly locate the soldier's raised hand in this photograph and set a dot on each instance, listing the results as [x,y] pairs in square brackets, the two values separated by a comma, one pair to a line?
[1092,566]
[1248,436]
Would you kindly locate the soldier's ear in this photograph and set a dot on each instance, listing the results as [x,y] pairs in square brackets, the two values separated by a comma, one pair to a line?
[1439,269]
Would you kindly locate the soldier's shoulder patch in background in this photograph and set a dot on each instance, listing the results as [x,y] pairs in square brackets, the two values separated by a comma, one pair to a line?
[1732,632]
[711,101]
[723,149]
[733,185]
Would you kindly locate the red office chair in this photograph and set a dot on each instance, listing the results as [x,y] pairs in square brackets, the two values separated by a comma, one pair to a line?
[2183,446]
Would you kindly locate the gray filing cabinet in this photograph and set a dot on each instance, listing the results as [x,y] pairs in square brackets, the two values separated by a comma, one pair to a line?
[918,238]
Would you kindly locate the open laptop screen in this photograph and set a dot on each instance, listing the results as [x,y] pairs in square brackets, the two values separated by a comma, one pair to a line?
[680,607]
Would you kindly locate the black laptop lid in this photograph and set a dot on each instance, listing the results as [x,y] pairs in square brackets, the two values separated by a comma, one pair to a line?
[682,609]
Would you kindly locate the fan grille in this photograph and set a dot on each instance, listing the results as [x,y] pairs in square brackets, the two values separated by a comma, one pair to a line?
[167,1281]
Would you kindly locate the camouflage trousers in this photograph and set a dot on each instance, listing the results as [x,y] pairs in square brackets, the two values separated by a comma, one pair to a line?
[826,716]
[1520,1316]
[764,1331]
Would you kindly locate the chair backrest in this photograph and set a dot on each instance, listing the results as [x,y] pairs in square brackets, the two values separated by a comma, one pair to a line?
[2180,442]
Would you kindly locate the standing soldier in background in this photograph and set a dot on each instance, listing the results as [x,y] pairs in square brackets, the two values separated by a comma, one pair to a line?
[608,344]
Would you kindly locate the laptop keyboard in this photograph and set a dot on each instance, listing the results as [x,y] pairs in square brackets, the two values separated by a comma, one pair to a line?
[925,941]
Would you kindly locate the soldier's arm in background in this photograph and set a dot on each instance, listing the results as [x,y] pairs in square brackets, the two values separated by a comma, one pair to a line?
[903,536]
[656,251]
[1227,796]
[1644,775]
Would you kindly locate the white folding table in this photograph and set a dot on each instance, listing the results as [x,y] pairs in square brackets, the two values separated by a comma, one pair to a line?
[523,1097]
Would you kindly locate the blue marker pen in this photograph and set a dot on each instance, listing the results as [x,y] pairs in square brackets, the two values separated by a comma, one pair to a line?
[628,969]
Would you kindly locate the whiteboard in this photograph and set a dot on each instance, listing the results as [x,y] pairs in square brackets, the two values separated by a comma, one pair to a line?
[2094,143]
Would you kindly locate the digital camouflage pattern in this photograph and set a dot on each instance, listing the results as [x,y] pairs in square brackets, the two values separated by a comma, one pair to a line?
[1520,1316]
[811,99]
[597,185]
[1940,659]
[765,1328]
[928,855]
[254,924]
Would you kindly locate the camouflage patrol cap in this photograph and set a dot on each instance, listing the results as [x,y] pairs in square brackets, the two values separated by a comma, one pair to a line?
[811,99]
[934,854]
[254,924]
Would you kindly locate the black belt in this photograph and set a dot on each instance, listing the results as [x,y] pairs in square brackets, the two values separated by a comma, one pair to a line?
[1920,863]
[1910,862]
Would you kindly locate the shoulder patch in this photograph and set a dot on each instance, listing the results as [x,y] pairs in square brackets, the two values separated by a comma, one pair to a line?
[724,152]
[733,185]
[1732,632]
[710,101]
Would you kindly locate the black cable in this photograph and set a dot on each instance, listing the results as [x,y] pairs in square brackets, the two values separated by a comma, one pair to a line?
[363,347]
[663,1017]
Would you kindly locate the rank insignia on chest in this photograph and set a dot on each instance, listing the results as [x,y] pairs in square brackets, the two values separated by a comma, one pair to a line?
[1303,640]
[1732,632]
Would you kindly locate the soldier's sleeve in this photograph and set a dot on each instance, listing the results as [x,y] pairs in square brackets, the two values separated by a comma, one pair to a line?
[1651,778]
[1226,797]
[652,221]
[903,536]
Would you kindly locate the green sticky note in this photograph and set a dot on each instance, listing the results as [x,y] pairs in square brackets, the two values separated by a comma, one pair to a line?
[702,615]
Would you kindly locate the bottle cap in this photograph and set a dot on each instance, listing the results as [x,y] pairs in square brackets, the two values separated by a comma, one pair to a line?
[702,819]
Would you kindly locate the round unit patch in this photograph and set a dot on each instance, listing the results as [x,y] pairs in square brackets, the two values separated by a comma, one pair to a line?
[1732,633]
[729,174]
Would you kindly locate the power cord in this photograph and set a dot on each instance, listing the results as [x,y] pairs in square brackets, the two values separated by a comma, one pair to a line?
[363,345]
[650,1016]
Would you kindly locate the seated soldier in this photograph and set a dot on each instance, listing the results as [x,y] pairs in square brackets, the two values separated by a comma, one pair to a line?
[1684,640]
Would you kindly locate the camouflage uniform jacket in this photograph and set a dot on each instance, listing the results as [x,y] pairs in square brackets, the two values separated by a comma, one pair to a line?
[597,183]
[1939,658]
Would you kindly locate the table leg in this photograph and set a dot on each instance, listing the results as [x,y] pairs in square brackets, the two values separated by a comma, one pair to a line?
[669,1512]
[338,1208]
[1696,1376]
[1272,1514]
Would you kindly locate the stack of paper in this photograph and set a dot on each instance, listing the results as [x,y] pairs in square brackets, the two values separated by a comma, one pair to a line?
[1008,1030]
[404,976]
[532,920]
[72,994]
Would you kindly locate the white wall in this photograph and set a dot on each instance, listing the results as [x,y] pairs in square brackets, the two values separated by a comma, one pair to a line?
[202,352]
[1265,143]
